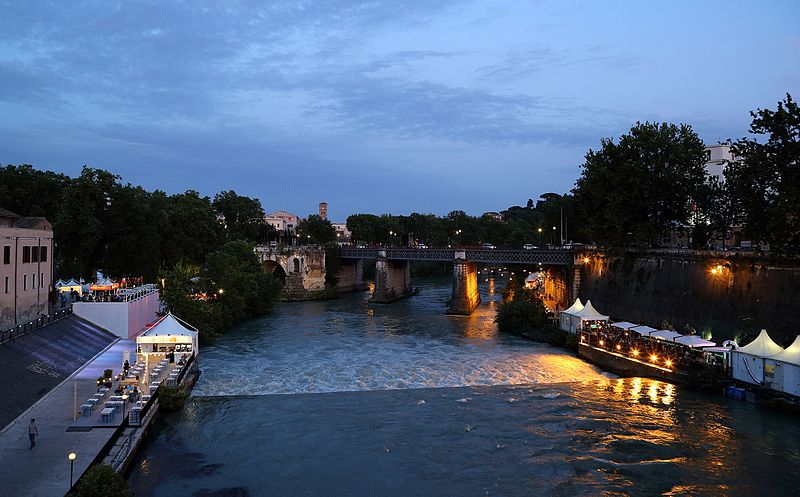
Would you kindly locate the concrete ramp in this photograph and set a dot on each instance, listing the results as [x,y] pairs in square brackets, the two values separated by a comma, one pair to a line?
[30,366]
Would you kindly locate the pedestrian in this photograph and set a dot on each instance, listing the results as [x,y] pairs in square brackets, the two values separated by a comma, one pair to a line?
[33,430]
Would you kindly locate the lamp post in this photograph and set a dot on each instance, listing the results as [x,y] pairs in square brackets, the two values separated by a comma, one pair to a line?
[540,236]
[553,238]
[71,458]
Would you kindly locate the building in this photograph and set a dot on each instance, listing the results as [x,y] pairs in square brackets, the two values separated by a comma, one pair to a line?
[26,268]
[717,158]
[323,210]
[494,215]
[343,235]
[285,224]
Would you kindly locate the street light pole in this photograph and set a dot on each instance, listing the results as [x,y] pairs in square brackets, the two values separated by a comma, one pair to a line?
[71,457]
[540,237]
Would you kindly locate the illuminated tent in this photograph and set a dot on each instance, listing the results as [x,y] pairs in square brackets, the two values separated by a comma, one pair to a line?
[624,325]
[782,370]
[566,318]
[748,361]
[168,332]
[643,330]
[104,284]
[589,314]
[667,335]
[694,341]
[69,286]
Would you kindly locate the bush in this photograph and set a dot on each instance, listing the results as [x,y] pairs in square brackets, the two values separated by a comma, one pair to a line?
[101,481]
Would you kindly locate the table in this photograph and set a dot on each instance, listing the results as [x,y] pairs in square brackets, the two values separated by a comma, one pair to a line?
[93,401]
[87,409]
[107,415]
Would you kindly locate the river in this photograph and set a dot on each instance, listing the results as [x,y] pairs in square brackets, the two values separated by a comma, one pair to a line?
[345,398]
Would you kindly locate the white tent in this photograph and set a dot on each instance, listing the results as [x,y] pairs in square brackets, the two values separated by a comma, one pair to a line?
[782,370]
[624,325]
[667,335]
[643,330]
[589,313]
[694,341]
[69,286]
[748,362]
[566,318]
[168,333]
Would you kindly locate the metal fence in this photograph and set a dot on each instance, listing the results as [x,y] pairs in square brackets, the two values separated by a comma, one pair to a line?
[40,322]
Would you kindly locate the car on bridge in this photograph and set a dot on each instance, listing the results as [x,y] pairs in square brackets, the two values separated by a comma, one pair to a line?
[488,246]
[528,246]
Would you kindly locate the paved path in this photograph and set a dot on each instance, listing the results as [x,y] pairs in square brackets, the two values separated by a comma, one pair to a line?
[44,470]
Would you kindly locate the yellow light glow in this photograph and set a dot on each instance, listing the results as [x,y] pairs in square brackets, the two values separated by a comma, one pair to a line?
[668,363]
[585,260]
[601,342]
[221,291]
[619,347]
[635,353]
[653,358]
[72,456]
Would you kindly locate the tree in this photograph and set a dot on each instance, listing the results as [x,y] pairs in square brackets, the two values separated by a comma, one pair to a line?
[79,226]
[364,227]
[133,238]
[765,177]
[241,215]
[314,229]
[30,192]
[101,481]
[191,230]
[643,186]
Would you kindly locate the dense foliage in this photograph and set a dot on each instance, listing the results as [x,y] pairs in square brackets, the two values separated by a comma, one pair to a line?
[101,481]
[228,288]
[764,178]
[316,231]
[532,224]
[636,190]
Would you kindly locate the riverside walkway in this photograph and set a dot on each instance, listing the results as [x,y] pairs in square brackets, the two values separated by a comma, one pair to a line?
[44,470]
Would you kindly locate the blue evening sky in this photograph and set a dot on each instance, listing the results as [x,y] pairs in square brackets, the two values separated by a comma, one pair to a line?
[379,106]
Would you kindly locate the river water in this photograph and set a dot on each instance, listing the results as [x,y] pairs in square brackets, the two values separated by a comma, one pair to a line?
[346,398]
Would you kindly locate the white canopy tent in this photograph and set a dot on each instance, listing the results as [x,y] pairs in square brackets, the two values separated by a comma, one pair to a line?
[589,314]
[643,330]
[168,333]
[748,362]
[782,370]
[694,341]
[666,335]
[624,325]
[567,320]
[69,286]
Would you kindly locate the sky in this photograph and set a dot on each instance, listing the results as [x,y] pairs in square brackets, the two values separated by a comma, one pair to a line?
[381,106]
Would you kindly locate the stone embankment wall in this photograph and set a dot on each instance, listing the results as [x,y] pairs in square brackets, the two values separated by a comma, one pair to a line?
[728,295]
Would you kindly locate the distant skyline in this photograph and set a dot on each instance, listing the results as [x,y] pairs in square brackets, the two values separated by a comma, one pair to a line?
[381,106]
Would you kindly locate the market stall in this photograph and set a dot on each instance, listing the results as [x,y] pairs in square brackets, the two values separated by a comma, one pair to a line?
[168,335]
[589,317]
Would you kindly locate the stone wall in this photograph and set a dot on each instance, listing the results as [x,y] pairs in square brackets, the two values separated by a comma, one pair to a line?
[727,297]
[392,280]
[465,288]
[351,276]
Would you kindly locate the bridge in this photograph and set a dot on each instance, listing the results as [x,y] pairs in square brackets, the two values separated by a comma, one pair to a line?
[393,270]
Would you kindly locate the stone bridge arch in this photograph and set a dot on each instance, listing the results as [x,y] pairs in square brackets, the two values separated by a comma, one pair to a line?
[302,268]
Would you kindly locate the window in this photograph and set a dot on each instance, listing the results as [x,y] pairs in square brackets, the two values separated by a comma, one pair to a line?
[26,255]
[33,280]
[24,282]
[7,254]
[6,284]
[35,253]
[41,279]
[43,254]
[708,155]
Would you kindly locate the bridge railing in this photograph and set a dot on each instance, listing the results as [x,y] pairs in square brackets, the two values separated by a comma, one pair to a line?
[492,256]
[41,321]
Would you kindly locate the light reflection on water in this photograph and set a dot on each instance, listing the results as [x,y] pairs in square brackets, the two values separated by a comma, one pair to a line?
[518,430]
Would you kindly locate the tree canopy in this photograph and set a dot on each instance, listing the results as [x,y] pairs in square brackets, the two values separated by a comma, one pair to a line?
[315,230]
[764,177]
[639,188]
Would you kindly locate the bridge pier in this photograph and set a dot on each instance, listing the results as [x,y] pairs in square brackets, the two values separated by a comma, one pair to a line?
[351,276]
[465,287]
[392,279]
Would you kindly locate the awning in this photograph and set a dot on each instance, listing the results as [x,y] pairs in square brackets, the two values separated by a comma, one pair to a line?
[694,341]
[575,308]
[589,313]
[791,354]
[643,330]
[667,335]
[624,325]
